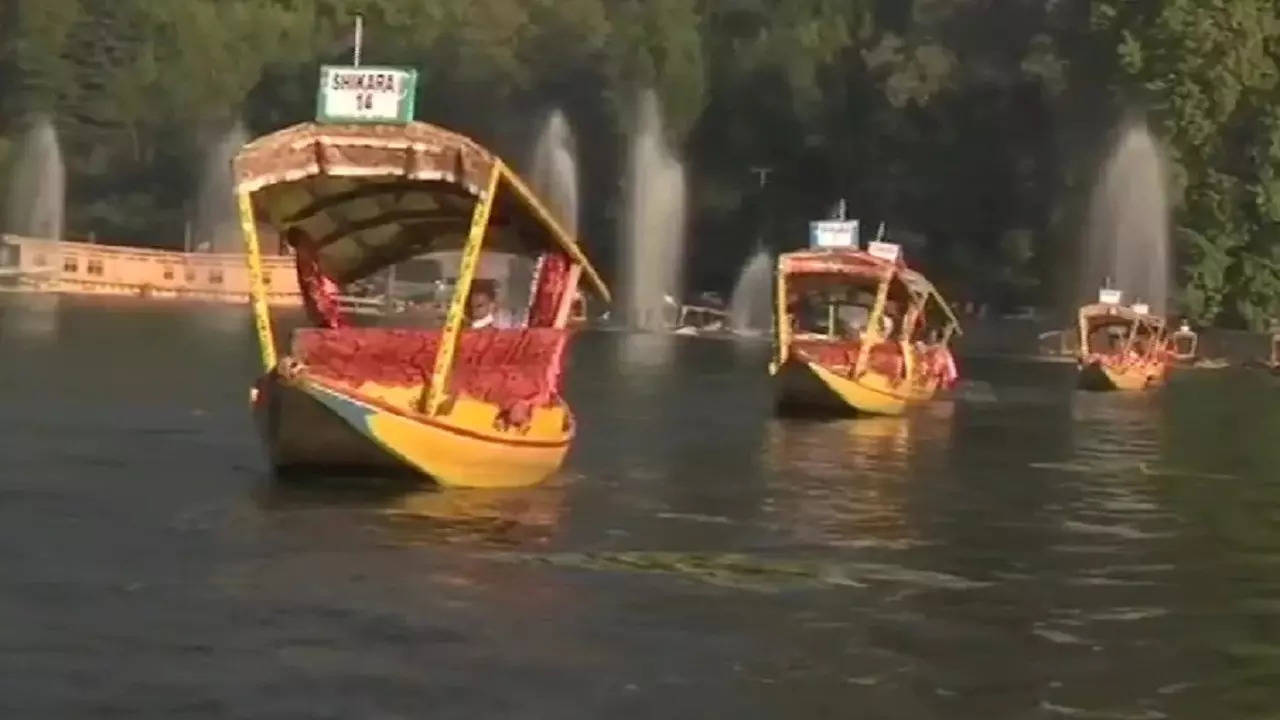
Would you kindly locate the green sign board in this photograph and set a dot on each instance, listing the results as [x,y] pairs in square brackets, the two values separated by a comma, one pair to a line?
[366,94]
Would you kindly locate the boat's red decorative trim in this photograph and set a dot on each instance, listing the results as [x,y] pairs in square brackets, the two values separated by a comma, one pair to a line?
[422,419]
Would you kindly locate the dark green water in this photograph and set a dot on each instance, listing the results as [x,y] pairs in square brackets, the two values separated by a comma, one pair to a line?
[1024,551]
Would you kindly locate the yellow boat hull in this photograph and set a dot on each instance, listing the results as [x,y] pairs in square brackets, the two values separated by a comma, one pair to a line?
[809,387]
[1101,377]
[309,423]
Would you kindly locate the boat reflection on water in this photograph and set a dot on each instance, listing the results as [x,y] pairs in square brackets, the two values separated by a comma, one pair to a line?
[407,516]
[849,481]
[506,517]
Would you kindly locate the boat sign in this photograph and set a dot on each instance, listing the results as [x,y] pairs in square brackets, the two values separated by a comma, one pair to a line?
[1108,296]
[833,233]
[1142,308]
[366,94]
[885,251]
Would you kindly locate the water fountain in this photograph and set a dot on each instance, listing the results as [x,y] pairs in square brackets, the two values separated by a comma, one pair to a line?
[35,207]
[217,221]
[750,305]
[654,221]
[554,173]
[1127,231]
[554,177]
[37,184]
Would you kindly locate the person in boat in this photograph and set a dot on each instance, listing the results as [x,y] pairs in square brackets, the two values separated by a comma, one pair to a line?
[319,291]
[887,319]
[854,319]
[483,310]
[807,317]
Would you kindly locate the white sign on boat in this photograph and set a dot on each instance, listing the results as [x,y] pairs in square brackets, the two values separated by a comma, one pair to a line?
[833,233]
[884,250]
[1142,308]
[366,94]
[1108,296]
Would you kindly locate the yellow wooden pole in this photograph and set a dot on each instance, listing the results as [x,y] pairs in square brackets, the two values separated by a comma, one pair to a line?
[566,300]
[439,381]
[1133,333]
[257,288]
[872,332]
[905,342]
[783,320]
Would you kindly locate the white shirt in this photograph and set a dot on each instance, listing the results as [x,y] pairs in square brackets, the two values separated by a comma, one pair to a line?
[497,320]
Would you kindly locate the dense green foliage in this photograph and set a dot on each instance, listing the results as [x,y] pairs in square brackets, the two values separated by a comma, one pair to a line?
[972,129]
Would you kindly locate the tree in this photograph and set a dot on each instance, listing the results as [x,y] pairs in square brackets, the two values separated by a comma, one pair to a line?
[1208,74]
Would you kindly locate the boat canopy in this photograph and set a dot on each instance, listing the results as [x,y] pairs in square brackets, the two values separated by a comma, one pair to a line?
[863,265]
[835,262]
[1099,314]
[372,195]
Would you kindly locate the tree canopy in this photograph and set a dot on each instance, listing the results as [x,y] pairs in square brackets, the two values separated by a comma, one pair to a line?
[972,129]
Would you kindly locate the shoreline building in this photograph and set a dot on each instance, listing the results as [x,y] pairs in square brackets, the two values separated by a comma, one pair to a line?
[37,265]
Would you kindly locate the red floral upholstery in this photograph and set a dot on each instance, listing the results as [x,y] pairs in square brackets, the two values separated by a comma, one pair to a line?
[836,356]
[386,356]
[885,358]
[516,369]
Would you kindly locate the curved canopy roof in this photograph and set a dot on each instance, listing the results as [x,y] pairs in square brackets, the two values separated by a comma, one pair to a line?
[372,195]
[835,261]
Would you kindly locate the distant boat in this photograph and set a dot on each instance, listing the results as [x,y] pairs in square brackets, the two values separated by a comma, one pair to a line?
[858,331]
[1183,345]
[1121,348]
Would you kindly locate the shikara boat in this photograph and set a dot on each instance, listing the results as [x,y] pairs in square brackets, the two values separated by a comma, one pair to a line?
[858,332]
[462,405]
[695,319]
[1121,348]
[1183,345]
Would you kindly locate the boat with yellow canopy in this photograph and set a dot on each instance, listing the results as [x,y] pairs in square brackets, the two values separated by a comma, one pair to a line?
[1121,348]
[461,397]
[857,331]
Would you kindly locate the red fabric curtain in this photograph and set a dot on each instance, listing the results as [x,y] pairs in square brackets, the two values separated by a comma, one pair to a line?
[319,292]
[549,287]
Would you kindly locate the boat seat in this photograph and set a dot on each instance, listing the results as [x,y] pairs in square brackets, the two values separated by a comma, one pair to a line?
[516,369]
[841,356]
[835,355]
[886,359]
[353,356]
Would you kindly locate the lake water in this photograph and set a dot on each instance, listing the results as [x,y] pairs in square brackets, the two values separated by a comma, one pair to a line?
[1021,551]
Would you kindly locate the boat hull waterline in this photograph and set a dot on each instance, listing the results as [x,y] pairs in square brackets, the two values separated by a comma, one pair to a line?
[1100,376]
[808,387]
[308,423]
